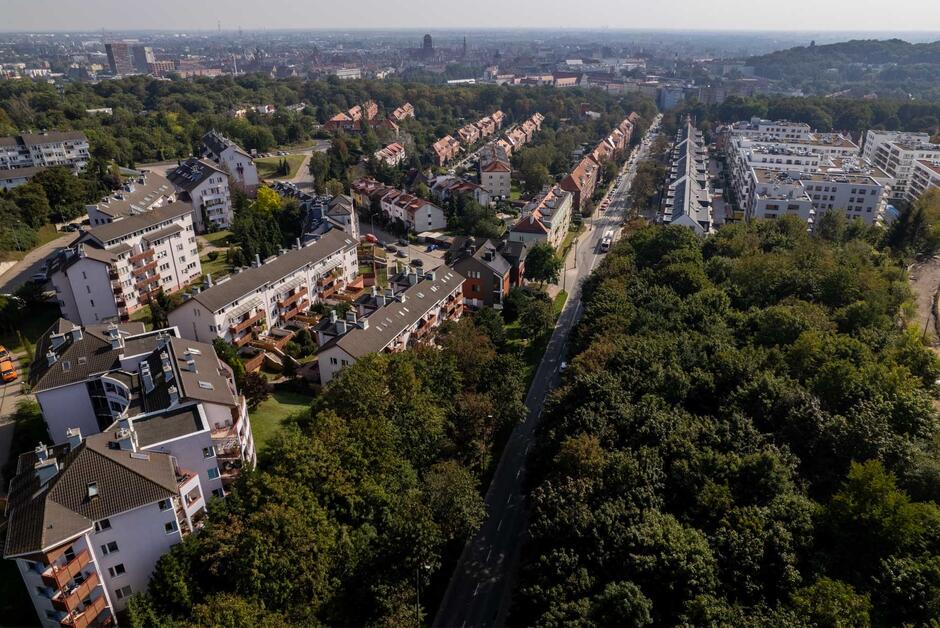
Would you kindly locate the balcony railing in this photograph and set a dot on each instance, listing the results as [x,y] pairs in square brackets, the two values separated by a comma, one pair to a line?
[146,281]
[245,324]
[85,617]
[57,576]
[300,308]
[243,340]
[68,601]
[146,268]
[287,301]
[145,254]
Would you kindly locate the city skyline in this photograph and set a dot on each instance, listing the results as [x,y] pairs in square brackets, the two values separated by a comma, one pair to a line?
[725,15]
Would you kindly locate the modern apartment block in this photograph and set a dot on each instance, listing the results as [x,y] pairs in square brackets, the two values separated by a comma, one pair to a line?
[405,314]
[205,187]
[43,150]
[897,158]
[545,219]
[231,158]
[779,130]
[120,58]
[875,138]
[115,268]
[926,176]
[150,428]
[688,200]
[269,294]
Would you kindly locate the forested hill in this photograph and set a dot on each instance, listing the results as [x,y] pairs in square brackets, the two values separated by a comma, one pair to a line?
[889,67]
[745,437]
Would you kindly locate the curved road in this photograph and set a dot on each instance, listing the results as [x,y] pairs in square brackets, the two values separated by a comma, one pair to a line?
[480,589]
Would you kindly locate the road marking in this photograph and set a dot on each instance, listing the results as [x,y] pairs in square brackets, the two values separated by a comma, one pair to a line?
[476,590]
[488,553]
[500,526]
[509,498]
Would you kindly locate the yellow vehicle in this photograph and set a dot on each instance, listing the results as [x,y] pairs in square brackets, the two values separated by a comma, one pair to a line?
[7,370]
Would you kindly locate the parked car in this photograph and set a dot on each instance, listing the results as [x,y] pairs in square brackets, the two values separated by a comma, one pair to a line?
[431,247]
[390,248]
[562,367]
[7,370]
[401,253]
[402,241]
[4,353]
[41,277]
[370,238]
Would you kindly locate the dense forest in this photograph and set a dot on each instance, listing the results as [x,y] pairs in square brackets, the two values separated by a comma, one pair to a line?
[891,67]
[369,495]
[850,115]
[745,437]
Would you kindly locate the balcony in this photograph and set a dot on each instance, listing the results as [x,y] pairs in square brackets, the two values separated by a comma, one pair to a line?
[117,288]
[145,254]
[146,268]
[146,281]
[287,301]
[87,616]
[242,341]
[299,309]
[68,601]
[57,576]
[245,324]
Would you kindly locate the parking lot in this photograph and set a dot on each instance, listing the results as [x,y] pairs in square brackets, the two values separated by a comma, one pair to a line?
[429,259]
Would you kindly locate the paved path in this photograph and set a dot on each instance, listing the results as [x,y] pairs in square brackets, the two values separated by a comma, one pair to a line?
[479,592]
[20,273]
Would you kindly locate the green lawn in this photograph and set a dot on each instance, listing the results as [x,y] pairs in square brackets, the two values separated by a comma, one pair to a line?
[144,316]
[267,418]
[559,303]
[45,234]
[218,268]
[223,237]
[29,328]
[267,166]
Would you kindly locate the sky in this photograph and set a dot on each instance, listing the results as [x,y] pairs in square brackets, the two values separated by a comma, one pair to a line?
[785,15]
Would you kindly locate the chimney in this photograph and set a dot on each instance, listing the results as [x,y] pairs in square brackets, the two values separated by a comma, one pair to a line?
[126,439]
[375,291]
[299,245]
[174,395]
[114,335]
[351,317]
[57,340]
[340,327]
[146,376]
[431,275]
[42,452]
[76,333]
[208,280]
[51,357]
[412,278]
[332,316]
[364,323]
[389,294]
[46,469]
[74,437]
[257,260]
[190,362]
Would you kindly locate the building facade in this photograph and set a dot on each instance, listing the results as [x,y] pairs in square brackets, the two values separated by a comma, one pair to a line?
[545,219]
[205,187]
[231,158]
[43,150]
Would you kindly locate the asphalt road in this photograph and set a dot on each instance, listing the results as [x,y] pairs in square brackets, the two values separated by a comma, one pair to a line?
[21,272]
[480,589]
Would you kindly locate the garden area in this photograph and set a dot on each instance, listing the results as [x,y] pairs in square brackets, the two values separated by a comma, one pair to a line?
[267,418]
[284,167]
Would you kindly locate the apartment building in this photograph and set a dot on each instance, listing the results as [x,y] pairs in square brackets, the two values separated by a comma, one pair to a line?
[151,427]
[205,187]
[469,134]
[352,119]
[581,182]
[780,130]
[231,158]
[138,194]
[495,171]
[268,294]
[393,154]
[486,271]
[416,214]
[446,187]
[115,268]
[897,158]
[776,194]
[43,150]
[688,200]
[445,149]
[407,313]
[926,176]
[545,219]
[875,138]
[10,179]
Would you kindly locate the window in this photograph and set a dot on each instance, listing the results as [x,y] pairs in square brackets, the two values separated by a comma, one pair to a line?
[117,570]
[109,548]
[208,452]
[123,592]
[170,527]
[164,504]
[92,490]
[213,473]
[217,492]
[104,524]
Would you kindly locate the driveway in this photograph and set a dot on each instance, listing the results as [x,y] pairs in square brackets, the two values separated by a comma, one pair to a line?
[20,273]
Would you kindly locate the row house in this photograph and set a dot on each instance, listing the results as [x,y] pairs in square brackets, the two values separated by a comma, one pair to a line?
[231,158]
[445,149]
[393,154]
[545,219]
[115,268]
[487,272]
[137,194]
[43,150]
[405,314]
[402,113]
[446,187]
[416,214]
[205,187]
[581,182]
[688,200]
[495,170]
[269,294]
[351,120]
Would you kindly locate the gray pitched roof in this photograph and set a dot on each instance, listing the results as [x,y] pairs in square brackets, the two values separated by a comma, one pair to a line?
[159,428]
[19,173]
[42,517]
[191,173]
[216,143]
[138,222]
[247,281]
[389,321]
[51,137]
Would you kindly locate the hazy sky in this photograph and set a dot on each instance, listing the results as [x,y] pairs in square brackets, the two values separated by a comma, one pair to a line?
[791,15]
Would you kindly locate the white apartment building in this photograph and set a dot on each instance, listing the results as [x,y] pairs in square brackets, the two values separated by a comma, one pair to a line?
[759,128]
[775,195]
[138,194]
[205,187]
[42,150]
[416,214]
[405,314]
[874,139]
[270,293]
[897,159]
[926,175]
[231,158]
[14,177]
[156,427]
[116,267]
[545,219]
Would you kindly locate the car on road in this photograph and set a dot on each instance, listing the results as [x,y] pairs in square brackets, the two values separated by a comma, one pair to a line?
[41,277]
[390,248]
[370,238]
[401,253]
[4,353]
[431,248]
[7,370]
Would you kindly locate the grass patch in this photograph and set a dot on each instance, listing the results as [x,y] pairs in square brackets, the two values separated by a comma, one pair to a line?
[569,240]
[29,327]
[268,166]
[143,315]
[45,235]
[220,238]
[559,303]
[218,267]
[267,418]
